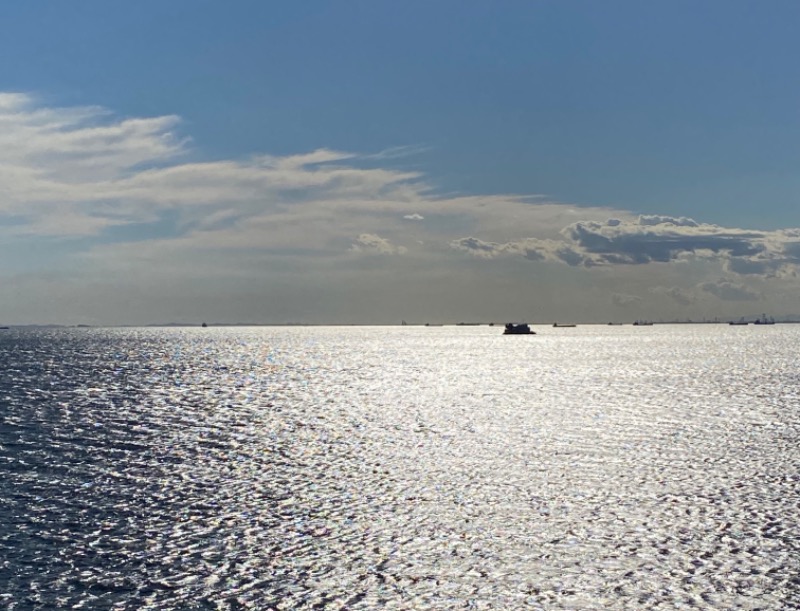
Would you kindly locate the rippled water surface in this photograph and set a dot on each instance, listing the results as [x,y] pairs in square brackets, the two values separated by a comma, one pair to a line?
[401,468]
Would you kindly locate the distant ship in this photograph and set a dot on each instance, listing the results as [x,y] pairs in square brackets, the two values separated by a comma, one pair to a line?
[642,323]
[764,320]
[518,329]
[741,321]
[559,324]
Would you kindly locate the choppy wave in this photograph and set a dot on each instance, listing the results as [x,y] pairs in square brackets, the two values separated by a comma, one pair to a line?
[407,468]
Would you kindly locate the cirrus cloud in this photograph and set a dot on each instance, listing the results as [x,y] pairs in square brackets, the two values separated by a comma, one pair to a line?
[127,197]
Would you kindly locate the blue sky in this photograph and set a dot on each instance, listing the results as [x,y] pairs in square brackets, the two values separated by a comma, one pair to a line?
[678,121]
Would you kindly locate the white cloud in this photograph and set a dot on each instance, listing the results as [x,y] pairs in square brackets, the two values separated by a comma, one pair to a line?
[648,220]
[127,193]
[398,152]
[654,239]
[372,243]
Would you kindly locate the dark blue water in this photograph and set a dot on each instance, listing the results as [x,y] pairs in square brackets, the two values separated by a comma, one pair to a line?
[410,468]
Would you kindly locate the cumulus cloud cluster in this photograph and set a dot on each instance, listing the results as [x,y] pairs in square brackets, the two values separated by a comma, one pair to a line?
[654,239]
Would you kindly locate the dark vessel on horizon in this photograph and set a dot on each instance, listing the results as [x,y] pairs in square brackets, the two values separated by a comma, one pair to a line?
[518,329]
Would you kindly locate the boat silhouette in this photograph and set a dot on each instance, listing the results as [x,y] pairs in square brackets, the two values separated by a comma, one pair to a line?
[517,329]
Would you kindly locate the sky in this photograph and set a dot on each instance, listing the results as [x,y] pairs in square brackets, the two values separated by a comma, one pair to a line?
[373,161]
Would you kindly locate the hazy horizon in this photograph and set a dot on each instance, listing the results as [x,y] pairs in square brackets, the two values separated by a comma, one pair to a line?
[371,163]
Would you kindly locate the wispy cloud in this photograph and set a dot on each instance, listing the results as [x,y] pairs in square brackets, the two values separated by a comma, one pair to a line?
[131,197]
[398,152]
[77,172]
[372,243]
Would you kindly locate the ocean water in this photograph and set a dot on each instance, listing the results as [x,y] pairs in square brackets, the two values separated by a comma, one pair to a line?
[596,467]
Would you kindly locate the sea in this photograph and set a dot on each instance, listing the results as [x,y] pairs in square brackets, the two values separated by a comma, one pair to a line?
[403,467]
